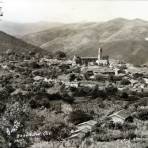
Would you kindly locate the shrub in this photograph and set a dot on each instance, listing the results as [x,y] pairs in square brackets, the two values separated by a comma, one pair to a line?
[111,90]
[137,75]
[72,77]
[110,124]
[56,132]
[102,94]
[103,137]
[142,115]
[2,107]
[39,101]
[79,116]
[124,95]
[125,82]
[128,126]
[67,98]
[129,134]
[14,123]
[99,130]
[60,55]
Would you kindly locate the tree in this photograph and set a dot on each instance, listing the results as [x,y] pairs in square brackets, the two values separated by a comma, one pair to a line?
[125,82]
[72,77]
[111,89]
[58,131]
[40,100]
[60,55]
[142,115]
[79,116]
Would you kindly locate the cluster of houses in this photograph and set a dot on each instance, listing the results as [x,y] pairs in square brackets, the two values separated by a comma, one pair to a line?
[82,129]
[100,70]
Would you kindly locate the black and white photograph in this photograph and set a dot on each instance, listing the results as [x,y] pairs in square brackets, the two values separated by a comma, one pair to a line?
[73,74]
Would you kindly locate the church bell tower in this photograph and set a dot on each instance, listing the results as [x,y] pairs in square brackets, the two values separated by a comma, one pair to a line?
[100,54]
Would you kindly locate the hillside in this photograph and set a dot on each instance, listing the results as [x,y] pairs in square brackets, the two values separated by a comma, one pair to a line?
[20,29]
[120,38]
[17,45]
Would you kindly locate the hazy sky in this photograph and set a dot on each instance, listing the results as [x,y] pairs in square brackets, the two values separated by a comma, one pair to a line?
[73,10]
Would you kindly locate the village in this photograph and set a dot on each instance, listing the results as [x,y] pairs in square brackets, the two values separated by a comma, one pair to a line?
[95,99]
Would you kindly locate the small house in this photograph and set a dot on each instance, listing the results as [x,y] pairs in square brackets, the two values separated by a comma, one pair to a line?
[82,129]
[121,116]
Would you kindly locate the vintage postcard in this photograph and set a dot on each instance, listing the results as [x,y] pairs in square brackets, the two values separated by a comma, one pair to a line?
[73,74]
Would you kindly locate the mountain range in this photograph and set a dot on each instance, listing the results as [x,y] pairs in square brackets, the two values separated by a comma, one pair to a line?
[21,29]
[120,38]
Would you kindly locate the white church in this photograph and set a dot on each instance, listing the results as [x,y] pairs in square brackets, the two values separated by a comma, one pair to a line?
[99,60]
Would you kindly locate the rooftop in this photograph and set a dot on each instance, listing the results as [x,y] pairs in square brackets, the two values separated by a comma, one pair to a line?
[89,58]
[121,114]
[90,122]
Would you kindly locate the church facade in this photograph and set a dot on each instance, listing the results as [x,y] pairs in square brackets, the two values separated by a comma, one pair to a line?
[99,60]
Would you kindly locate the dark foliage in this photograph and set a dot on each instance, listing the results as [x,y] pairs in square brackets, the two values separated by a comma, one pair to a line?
[79,116]
[56,132]
[60,55]
[125,82]
[72,77]
[142,115]
[111,90]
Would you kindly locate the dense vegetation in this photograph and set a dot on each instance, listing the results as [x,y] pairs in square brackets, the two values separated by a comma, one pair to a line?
[34,101]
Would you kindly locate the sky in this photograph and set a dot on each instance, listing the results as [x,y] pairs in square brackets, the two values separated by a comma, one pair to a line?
[70,11]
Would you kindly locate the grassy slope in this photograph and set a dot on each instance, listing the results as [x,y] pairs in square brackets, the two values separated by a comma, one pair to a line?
[10,42]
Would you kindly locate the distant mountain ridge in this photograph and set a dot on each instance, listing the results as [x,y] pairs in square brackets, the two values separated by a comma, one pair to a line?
[21,29]
[120,38]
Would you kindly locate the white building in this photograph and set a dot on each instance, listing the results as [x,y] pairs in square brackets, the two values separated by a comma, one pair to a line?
[100,59]
[121,116]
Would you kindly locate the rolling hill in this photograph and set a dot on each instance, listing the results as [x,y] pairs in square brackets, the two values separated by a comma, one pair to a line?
[21,29]
[17,45]
[120,38]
